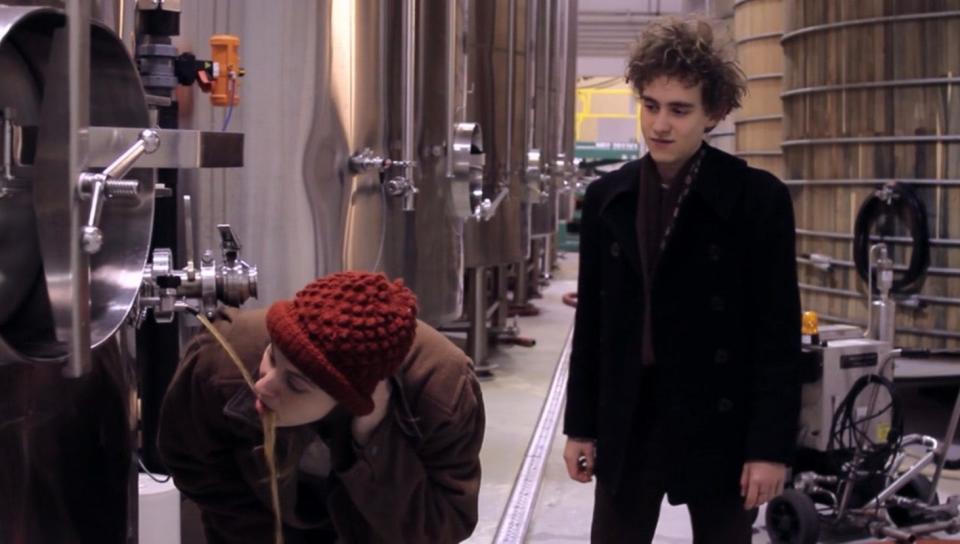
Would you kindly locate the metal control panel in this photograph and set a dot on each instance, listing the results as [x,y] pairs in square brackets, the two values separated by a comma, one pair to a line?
[839,364]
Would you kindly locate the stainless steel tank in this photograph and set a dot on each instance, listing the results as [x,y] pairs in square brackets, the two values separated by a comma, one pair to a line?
[563,167]
[35,143]
[495,33]
[554,99]
[66,464]
[543,211]
[325,82]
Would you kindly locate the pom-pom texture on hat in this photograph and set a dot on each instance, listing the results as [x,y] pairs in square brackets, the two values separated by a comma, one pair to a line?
[346,332]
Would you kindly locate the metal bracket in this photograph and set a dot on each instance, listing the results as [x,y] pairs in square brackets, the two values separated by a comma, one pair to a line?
[466,182]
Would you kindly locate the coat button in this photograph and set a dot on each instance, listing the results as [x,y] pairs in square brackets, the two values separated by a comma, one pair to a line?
[725,405]
[615,249]
[713,252]
[716,303]
[721,356]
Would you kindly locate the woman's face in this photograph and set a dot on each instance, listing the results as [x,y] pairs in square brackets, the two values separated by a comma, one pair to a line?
[283,389]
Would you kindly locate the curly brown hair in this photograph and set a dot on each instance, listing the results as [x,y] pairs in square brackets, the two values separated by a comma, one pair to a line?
[684,49]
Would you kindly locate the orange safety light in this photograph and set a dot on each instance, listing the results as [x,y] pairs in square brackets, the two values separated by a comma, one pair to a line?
[810,328]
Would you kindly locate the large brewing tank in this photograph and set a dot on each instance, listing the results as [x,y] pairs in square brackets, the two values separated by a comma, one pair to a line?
[870,96]
[543,210]
[563,167]
[553,99]
[495,34]
[325,82]
[35,144]
[66,463]
[720,15]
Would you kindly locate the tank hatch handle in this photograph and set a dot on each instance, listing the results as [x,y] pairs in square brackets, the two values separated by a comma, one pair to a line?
[98,187]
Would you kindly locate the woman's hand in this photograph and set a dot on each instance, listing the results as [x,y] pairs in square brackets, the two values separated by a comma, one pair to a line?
[363,426]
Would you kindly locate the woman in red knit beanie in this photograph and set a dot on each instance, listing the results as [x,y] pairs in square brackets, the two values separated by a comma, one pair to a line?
[382,420]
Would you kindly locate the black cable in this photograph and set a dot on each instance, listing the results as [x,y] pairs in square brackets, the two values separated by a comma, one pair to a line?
[847,436]
[152,476]
[906,206]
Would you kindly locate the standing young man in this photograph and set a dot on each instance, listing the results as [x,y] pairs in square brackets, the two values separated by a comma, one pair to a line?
[683,378]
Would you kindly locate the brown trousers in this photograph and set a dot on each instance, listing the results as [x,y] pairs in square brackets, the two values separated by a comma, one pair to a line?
[714,521]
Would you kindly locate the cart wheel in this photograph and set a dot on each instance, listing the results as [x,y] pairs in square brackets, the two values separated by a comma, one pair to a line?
[918,488]
[792,519]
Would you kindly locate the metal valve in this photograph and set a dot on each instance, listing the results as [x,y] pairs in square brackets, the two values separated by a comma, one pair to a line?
[488,208]
[166,291]
[399,186]
[367,160]
[236,279]
[109,184]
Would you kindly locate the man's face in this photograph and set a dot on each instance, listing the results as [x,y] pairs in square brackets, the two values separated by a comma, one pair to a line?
[673,121]
[283,389]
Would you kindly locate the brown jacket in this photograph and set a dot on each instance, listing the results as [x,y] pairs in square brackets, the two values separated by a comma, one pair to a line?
[416,480]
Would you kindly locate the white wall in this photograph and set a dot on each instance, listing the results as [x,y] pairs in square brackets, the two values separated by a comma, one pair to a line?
[607,28]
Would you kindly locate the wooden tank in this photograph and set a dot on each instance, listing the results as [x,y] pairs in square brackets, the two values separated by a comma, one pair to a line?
[870,97]
[758,26]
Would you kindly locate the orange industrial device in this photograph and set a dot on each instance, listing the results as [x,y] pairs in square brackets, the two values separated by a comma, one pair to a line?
[225,56]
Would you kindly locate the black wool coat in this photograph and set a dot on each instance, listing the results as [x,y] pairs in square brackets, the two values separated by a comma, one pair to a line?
[726,329]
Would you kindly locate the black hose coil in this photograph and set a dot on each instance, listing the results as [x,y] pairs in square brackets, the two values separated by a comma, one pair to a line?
[901,203]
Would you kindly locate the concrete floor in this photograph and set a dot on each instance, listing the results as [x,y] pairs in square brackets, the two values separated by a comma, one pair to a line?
[515,394]
[514,397]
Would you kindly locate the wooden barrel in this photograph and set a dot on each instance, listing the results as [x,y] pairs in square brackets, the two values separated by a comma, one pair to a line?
[871,96]
[758,26]
[720,15]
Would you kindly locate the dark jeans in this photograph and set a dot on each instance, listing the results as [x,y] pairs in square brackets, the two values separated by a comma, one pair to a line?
[715,520]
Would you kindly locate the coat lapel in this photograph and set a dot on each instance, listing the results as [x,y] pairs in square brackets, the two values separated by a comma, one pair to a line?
[720,181]
[718,184]
[619,213]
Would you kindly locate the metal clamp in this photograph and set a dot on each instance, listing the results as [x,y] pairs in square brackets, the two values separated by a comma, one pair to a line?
[536,181]
[566,170]
[887,193]
[108,184]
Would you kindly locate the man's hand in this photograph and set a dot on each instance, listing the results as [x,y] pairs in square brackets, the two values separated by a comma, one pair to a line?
[760,482]
[580,456]
[363,426]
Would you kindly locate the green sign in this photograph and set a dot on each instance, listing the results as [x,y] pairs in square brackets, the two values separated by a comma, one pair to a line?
[607,150]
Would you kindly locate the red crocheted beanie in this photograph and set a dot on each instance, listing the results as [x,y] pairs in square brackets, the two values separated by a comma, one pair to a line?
[346,332]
